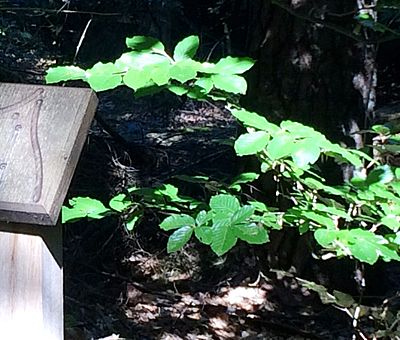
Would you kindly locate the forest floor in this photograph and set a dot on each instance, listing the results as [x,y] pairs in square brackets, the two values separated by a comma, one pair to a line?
[121,285]
[126,284]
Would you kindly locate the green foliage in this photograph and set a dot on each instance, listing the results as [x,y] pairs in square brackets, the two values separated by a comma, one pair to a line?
[83,207]
[148,65]
[187,48]
[224,222]
[359,218]
[131,205]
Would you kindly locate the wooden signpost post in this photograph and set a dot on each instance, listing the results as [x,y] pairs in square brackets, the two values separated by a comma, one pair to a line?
[42,131]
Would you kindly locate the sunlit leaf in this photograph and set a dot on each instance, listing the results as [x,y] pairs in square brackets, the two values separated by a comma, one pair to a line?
[230,83]
[178,89]
[305,152]
[103,77]
[136,78]
[177,221]
[280,146]
[187,48]
[120,202]
[140,60]
[325,236]
[242,215]
[223,238]
[179,238]
[160,73]
[382,174]
[233,65]
[64,73]
[251,233]
[252,119]
[224,204]
[143,43]
[251,143]
[84,207]
[204,234]
[205,83]
[243,178]
[132,222]
[184,70]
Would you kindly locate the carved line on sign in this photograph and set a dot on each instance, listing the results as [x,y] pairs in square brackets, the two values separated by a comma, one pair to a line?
[35,98]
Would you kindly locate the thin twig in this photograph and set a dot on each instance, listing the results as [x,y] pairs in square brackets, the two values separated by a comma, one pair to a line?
[57,11]
[332,27]
[81,39]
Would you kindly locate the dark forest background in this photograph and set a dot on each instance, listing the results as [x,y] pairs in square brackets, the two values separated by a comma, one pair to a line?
[315,64]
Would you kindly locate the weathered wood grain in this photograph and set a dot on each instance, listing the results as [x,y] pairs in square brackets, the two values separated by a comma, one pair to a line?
[31,282]
[42,131]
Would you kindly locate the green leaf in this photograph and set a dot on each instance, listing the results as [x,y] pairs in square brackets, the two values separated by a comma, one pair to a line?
[232,65]
[103,77]
[224,204]
[160,73]
[343,299]
[132,221]
[120,203]
[282,145]
[251,233]
[230,83]
[69,215]
[179,238]
[202,218]
[243,178]
[392,222]
[205,83]
[315,184]
[149,90]
[140,60]
[178,89]
[242,215]
[381,129]
[367,247]
[259,206]
[305,152]
[251,143]
[184,70]
[204,234]
[340,153]
[322,220]
[208,68]
[324,295]
[168,190]
[382,174]
[177,221]
[64,73]
[136,78]
[332,211]
[252,119]
[325,236]
[142,43]
[223,237]
[301,131]
[187,48]
[196,93]
[84,207]
[364,245]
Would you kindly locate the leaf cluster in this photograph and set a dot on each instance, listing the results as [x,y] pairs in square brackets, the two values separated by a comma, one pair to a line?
[148,69]
[359,218]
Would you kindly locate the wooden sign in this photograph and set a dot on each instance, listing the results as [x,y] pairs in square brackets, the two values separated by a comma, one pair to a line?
[31,282]
[42,130]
